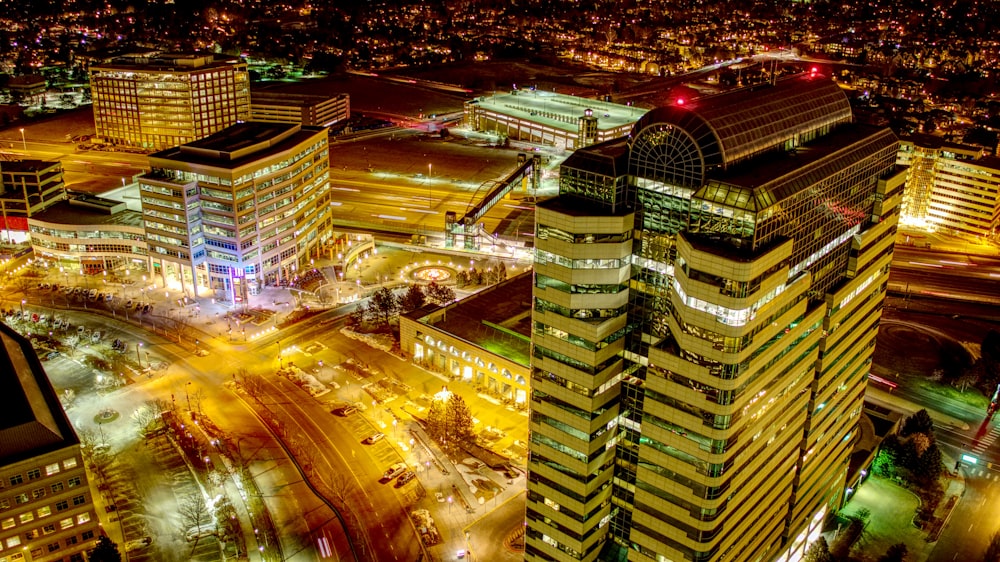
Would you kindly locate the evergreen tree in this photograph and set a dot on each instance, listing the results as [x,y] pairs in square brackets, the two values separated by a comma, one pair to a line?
[459,419]
[413,299]
[919,422]
[105,551]
[437,426]
[896,553]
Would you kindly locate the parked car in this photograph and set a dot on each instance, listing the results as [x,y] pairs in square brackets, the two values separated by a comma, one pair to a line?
[404,478]
[395,470]
[344,411]
[375,438]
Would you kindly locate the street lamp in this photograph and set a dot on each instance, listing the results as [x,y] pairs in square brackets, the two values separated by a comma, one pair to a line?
[22,307]
[279,355]
[138,357]
[24,143]
[428,186]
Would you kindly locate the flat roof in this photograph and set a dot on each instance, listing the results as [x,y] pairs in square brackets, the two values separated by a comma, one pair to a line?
[576,206]
[172,62]
[26,166]
[559,111]
[298,100]
[497,319]
[68,214]
[239,144]
[32,421]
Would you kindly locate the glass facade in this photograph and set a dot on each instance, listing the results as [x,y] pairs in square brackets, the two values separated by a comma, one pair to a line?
[749,210]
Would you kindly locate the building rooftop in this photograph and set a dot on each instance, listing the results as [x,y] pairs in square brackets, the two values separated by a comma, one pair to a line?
[87,210]
[238,144]
[559,111]
[576,206]
[769,178]
[931,141]
[497,319]
[32,421]
[26,166]
[287,99]
[609,158]
[739,124]
[161,61]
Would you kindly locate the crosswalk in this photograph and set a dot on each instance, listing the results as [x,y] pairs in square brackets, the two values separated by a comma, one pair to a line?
[987,440]
[981,472]
[986,471]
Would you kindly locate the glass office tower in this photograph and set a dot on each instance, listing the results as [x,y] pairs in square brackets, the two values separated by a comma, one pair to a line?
[707,294]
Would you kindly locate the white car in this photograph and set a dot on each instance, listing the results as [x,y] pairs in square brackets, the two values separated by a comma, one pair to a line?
[372,439]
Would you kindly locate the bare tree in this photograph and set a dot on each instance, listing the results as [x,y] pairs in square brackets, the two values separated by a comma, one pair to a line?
[194,514]
[251,383]
[148,417]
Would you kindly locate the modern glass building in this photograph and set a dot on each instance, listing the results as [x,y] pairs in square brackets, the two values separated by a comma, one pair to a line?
[246,206]
[158,100]
[707,295]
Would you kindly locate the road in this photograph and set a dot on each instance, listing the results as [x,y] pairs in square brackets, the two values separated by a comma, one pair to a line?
[200,380]
[945,275]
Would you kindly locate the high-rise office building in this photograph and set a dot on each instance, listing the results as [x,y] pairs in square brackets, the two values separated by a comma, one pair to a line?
[707,295]
[158,100]
[246,206]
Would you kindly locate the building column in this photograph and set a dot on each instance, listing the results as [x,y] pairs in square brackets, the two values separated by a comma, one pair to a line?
[194,280]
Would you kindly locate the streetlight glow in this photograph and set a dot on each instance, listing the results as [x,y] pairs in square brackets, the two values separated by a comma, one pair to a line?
[24,143]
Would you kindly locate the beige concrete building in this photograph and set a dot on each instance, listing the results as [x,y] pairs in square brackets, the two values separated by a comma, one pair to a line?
[46,507]
[155,100]
[950,187]
[280,107]
[483,340]
[707,295]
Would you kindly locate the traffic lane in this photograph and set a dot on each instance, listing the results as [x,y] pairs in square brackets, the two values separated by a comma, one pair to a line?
[975,518]
[377,506]
[935,284]
[488,537]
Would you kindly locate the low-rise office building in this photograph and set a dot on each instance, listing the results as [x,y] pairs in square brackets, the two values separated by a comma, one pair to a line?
[483,340]
[91,236]
[27,187]
[46,506]
[314,110]
[565,122]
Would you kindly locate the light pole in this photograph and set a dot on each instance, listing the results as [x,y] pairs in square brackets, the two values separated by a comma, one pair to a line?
[428,186]
[138,357]
[22,308]
[24,144]
[279,354]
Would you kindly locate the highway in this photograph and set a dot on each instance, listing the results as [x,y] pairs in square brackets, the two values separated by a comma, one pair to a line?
[945,275]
